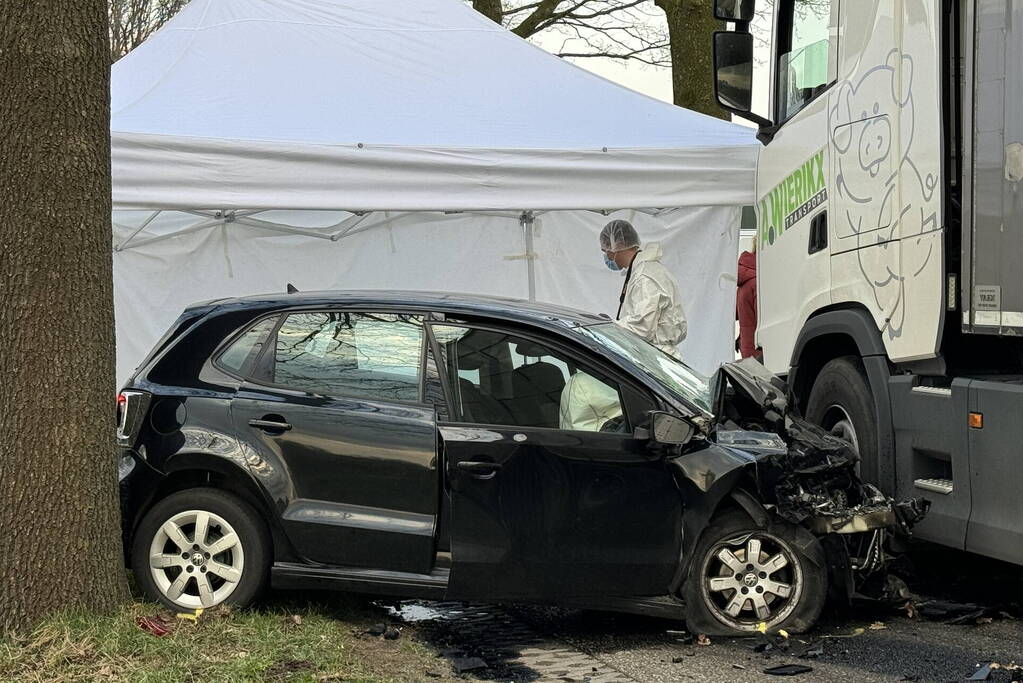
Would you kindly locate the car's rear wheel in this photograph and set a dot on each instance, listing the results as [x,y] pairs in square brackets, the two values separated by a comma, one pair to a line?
[745,578]
[200,548]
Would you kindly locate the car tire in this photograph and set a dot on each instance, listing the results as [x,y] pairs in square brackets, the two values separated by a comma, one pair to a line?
[713,594]
[177,564]
[841,402]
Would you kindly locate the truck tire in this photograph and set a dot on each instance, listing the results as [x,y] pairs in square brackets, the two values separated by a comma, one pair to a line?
[201,547]
[841,402]
[744,576]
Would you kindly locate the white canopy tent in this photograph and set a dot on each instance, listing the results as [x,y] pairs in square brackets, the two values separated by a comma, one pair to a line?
[410,144]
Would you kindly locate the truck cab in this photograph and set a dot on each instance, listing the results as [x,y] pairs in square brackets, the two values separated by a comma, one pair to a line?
[888,226]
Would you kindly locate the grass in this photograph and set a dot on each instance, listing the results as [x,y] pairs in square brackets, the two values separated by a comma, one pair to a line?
[285,640]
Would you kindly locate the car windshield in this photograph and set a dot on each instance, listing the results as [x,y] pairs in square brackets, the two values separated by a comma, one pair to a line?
[675,375]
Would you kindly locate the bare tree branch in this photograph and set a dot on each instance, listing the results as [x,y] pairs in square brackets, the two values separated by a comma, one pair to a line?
[618,29]
[132,21]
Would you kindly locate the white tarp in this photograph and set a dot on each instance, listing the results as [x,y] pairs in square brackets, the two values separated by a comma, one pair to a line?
[481,254]
[245,129]
[397,105]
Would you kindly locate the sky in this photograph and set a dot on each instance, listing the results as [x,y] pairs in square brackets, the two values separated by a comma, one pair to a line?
[656,81]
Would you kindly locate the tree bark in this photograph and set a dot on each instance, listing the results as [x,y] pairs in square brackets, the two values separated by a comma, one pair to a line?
[59,519]
[491,9]
[691,26]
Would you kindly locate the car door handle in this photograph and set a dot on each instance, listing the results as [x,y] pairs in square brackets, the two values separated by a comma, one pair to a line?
[479,468]
[270,425]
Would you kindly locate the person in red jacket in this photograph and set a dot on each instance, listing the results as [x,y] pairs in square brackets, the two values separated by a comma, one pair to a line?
[746,304]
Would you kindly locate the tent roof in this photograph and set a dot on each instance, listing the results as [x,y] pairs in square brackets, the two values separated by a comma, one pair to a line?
[404,104]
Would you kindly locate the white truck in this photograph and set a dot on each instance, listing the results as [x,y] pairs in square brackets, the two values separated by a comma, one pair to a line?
[890,241]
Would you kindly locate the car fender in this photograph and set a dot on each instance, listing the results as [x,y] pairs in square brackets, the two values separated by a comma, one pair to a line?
[705,478]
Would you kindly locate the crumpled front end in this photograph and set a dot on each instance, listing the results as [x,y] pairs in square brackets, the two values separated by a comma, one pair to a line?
[805,475]
[814,483]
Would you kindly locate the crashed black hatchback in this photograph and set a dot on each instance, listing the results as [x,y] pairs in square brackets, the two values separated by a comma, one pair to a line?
[471,448]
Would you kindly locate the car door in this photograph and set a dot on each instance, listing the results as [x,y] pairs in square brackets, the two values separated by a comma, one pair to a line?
[333,422]
[543,503]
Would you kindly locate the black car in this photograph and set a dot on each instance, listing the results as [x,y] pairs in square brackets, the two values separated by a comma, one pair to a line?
[473,448]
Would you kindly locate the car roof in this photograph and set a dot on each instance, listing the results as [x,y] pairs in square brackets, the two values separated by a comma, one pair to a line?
[440,302]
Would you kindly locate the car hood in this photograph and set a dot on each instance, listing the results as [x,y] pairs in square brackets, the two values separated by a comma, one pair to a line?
[762,387]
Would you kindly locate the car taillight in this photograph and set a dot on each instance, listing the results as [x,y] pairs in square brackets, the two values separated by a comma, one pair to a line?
[131,408]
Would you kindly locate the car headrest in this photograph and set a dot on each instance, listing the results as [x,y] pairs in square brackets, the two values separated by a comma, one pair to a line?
[473,360]
[530,350]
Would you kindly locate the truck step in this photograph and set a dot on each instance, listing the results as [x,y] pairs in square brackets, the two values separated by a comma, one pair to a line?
[932,391]
[942,486]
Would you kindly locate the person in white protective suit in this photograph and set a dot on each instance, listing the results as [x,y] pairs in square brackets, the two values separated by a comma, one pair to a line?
[649,304]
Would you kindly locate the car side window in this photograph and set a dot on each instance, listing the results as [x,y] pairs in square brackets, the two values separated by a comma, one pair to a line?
[807,53]
[362,355]
[499,378]
[237,357]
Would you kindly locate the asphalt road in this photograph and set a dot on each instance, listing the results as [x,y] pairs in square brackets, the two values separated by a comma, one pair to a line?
[862,643]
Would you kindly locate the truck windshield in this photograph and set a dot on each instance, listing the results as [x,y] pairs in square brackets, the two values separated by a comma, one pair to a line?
[673,374]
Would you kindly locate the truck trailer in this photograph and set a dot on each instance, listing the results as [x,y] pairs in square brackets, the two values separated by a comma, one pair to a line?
[890,240]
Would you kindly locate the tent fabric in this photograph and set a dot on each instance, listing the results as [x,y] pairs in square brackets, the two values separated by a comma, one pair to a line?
[400,105]
[356,144]
[481,254]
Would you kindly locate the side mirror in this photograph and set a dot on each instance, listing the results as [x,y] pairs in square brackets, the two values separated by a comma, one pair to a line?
[733,10]
[670,430]
[733,74]
[733,71]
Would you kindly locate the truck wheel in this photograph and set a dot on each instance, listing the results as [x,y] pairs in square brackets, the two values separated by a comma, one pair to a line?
[201,547]
[841,403]
[744,576]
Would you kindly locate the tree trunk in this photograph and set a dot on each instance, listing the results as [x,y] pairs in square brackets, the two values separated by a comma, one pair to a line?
[59,519]
[691,26]
[491,9]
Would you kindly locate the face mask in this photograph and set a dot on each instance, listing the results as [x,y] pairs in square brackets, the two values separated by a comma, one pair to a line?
[609,262]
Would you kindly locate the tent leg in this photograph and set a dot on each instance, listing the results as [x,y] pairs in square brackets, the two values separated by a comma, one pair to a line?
[526,221]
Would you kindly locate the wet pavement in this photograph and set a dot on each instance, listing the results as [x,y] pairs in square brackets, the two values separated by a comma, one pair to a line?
[863,643]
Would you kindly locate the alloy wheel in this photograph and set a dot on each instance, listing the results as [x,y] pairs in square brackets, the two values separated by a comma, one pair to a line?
[751,579]
[196,559]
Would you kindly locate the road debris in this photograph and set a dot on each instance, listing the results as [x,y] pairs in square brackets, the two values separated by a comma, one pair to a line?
[855,632]
[982,673]
[788,670]
[153,625]
[878,626]
[810,650]
[376,630]
[703,640]
[191,616]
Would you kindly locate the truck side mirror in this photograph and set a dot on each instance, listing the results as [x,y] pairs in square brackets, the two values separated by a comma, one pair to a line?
[733,10]
[733,74]
[670,430]
[733,71]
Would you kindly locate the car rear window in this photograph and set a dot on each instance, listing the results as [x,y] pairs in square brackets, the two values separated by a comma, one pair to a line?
[365,355]
[244,349]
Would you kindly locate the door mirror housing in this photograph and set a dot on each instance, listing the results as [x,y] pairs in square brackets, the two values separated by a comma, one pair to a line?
[733,74]
[670,430]
[733,10]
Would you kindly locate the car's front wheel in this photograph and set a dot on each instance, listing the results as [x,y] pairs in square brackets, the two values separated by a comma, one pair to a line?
[745,578]
[201,548]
